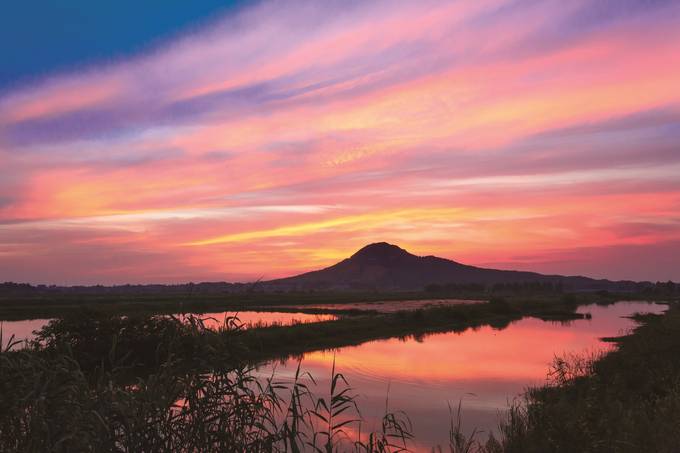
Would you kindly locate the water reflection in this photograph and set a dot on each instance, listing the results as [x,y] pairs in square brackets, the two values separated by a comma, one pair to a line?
[389,306]
[23,330]
[485,368]
[251,319]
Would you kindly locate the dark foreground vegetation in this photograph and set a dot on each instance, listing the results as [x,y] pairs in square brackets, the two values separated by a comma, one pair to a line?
[625,401]
[101,383]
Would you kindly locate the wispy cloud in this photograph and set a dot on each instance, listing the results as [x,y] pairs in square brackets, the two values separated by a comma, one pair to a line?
[323,126]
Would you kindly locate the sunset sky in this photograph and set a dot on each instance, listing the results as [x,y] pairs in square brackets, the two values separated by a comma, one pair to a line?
[177,142]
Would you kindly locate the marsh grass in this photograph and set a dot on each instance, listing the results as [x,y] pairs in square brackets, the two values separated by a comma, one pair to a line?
[125,384]
[62,394]
[625,401]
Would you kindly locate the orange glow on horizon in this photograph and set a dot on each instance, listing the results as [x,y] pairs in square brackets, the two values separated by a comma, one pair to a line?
[457,130]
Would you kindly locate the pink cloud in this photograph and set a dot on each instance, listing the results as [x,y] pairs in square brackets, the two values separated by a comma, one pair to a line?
[480,131]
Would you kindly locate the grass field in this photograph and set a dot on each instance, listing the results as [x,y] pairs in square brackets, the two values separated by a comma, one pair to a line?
[34,304]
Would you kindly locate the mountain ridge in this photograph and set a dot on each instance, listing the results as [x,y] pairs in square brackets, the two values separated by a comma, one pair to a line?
[383,266]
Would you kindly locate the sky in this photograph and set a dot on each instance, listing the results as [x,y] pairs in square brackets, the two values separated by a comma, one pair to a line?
[200,141]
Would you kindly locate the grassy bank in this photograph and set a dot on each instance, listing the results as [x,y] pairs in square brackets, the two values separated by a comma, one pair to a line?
[625,401]
[49,403]
[91,335]
[283,341]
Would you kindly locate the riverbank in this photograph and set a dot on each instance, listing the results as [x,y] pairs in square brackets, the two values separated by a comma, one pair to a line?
[280,342]
[137,340]
[624,401]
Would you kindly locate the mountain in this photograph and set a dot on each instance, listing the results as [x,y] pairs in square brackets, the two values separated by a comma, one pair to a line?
[382,266]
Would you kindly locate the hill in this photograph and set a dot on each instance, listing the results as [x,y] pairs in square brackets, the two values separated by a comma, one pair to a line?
[383,267]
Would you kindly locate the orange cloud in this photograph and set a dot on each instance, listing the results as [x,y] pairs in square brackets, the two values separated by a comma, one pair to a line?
[486,132]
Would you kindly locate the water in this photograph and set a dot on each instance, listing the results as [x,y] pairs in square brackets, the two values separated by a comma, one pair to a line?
[391,306]
[23,330]
[483,368]
[264,318]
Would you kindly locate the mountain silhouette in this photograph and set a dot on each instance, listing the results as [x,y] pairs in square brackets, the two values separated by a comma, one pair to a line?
[382,266]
